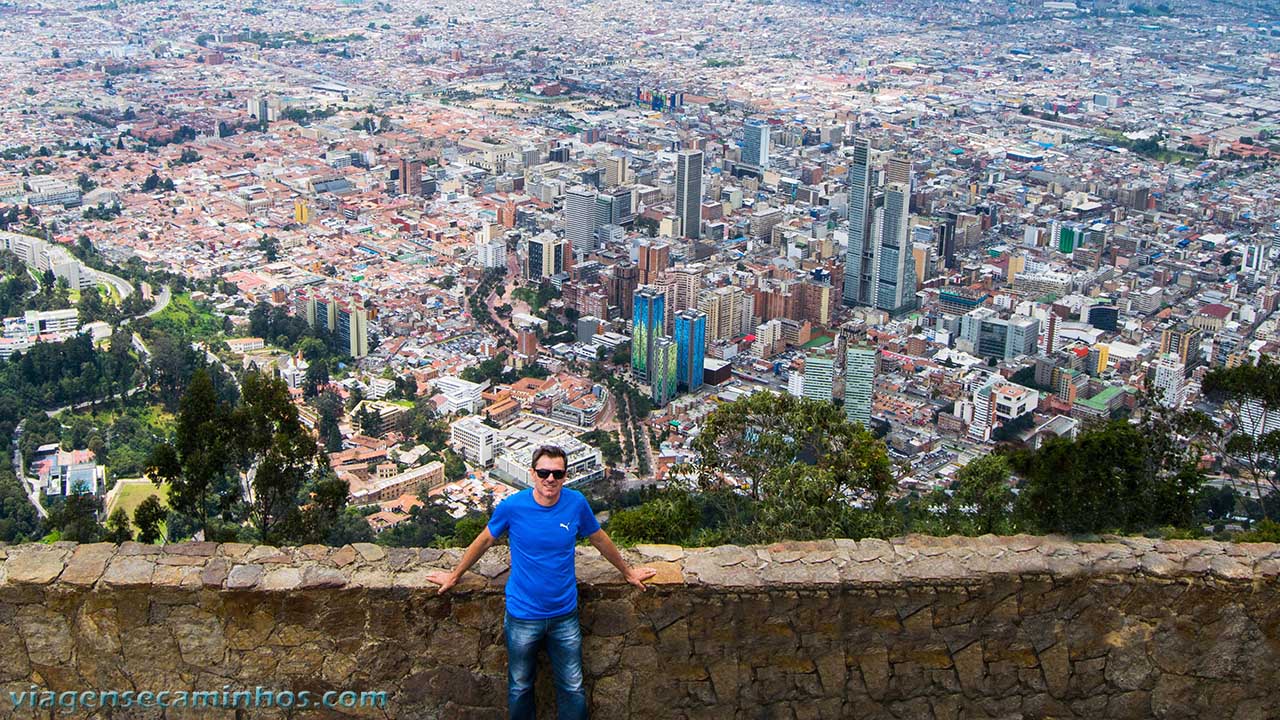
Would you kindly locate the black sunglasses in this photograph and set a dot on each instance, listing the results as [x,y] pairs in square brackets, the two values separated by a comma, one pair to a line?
[544,472]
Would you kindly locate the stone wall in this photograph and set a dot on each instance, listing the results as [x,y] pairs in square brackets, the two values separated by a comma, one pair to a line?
[913,628]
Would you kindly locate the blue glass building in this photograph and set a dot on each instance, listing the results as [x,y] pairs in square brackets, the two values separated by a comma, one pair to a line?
[691,348]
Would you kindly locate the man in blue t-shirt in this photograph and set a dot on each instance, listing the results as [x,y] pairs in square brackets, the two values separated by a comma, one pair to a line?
[544,523]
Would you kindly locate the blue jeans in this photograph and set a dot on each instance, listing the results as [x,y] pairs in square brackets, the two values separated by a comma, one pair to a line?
[563,637]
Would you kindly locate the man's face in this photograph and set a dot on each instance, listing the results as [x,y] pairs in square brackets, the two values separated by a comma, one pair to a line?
[550,485]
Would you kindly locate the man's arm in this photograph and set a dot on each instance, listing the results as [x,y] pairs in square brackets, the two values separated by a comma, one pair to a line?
[446,580]
[635,576]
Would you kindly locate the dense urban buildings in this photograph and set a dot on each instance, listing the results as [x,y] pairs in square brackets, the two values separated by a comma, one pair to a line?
[963,224]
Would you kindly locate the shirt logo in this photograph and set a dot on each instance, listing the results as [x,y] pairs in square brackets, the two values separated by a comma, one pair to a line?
[565,526]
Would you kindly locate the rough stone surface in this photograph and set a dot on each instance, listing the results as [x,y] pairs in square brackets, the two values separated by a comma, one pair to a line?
[914,627]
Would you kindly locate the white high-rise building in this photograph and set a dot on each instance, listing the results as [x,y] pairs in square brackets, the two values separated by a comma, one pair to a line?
[1170,381]
[859,383]
[491,253]
[580,219]
[795,383]
[819,374]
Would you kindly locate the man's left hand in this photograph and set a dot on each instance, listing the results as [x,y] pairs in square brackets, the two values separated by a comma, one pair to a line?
[637,576]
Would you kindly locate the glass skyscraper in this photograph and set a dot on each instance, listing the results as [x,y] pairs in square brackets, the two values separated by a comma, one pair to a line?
[858,262]
[662,380]
[647,319]
[691,348]
[755,143]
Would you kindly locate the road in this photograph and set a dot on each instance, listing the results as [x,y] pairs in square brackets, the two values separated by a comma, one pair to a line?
[19,471]
[161,302]
[123,287]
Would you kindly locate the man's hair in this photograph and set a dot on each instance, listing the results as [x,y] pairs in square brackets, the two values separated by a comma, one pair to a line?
[549,451]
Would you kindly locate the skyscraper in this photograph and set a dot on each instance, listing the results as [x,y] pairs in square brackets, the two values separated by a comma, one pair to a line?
[687,286]
[858,265]
[691,348]
[580,219]
[410,176]
[653,259]
[1170,381]
[353,329]
[689,192]
[819,376]
[859,383]
[895,286]
[662,377]
[755,145]
[1182,340]
[622,287]
[545,256]
[615,170]
[647,318]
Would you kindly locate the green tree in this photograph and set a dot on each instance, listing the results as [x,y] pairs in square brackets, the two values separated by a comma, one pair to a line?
[317,376]
[18,519]
[200,459]
[1115,477]
[980,502]
[75,517]
[1247,393]
[454,467]
[148,516]
[91,308]
[270,247]
[801,462]
[329,408]
[983,485]
[275,450]
[118,530]
[670,518]
[467,529]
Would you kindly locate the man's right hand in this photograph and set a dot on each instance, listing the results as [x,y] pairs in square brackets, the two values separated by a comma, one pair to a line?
[445,580]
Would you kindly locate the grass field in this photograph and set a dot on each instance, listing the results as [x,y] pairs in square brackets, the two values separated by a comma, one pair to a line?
[130,493]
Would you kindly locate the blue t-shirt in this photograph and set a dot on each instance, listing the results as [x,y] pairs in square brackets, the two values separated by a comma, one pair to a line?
[542,583]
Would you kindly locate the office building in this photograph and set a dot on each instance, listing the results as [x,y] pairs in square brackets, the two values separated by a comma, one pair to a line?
[896,269]
[491,254]
[474,440]
[991,336]
[1183,341]
[653,258]
[613,207]
[858,267]
[648,306]
[755,144]
[459,394]
[819,377]
[622,287]
[728,310]
[410,179]
[691,348]
[580,220]
[663,373]
[615,170]
[859,383]
[689,192]
[544,257]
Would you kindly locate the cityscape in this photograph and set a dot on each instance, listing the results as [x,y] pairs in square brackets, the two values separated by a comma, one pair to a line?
[433,237]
